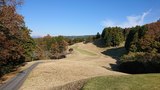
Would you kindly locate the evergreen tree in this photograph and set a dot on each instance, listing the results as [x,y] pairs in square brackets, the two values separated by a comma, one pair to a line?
[113,36]
[98,35]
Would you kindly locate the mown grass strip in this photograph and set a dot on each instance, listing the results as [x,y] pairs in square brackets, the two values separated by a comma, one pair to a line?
[84,51]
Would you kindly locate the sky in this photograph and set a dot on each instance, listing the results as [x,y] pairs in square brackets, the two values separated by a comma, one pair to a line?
[86,17]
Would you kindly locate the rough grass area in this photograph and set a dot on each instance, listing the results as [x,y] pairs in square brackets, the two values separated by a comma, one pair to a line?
[130,82]
[76,85]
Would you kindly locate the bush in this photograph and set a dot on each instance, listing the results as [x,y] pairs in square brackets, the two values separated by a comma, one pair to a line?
[135,63]
[62,56]
[58,56]
[70,50]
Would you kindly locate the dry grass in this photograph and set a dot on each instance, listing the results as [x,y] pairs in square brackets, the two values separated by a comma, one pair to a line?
[75,67]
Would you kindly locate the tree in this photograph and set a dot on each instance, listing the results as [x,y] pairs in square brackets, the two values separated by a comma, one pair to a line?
[27,43]
[51,47]
[144,38]
[113,36]
[126,32]
[89,39]
[48,42]
[98,35]
[132,38]
[16,43]
[103,32]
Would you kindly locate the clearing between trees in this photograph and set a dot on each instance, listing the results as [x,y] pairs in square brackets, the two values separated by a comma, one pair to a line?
[85,62]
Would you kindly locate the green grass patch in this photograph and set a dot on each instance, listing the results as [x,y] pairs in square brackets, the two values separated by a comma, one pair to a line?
[127,82]
[84,51]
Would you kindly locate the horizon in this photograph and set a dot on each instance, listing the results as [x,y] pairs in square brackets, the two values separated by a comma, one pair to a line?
[76,18]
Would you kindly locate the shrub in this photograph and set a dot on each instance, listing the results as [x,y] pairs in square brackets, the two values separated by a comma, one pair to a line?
[140,63]
[58,56]
[70,50]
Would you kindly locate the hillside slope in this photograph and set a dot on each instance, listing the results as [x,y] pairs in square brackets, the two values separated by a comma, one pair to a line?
[85,62]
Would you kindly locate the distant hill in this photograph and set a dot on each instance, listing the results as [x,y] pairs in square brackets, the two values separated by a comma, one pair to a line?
[37,36]
[70,37]
[83,36]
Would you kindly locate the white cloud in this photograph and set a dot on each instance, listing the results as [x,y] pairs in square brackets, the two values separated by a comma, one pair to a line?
[108,23]
[131,21]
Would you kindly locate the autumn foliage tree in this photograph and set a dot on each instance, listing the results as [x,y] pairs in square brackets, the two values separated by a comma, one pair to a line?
[143,46]
[16,43]
[144,38]
[51,47]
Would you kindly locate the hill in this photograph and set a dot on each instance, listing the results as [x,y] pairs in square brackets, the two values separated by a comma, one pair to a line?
[85,62]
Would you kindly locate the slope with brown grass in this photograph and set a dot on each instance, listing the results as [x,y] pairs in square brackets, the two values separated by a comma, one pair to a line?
[85,62]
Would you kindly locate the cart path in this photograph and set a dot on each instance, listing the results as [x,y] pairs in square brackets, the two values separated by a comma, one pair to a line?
[16,82]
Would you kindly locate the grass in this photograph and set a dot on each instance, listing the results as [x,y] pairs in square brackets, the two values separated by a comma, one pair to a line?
[75,85]
[130,82]
[84,51]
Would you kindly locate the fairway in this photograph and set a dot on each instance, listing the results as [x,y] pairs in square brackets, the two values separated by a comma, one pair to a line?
[84,51]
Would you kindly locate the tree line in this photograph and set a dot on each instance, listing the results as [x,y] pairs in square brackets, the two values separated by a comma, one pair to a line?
[55,47]
[142,44]
[49,47]
[16,44]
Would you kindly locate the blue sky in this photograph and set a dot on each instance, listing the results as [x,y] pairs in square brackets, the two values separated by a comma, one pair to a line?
[86,17]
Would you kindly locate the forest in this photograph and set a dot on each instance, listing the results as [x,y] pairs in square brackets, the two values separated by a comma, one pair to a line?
[142,44]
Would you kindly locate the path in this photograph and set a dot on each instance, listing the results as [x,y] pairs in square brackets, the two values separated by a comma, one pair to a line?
[16,82]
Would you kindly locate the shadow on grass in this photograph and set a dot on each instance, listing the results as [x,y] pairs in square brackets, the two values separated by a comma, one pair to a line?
[115,53]
[99,43]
